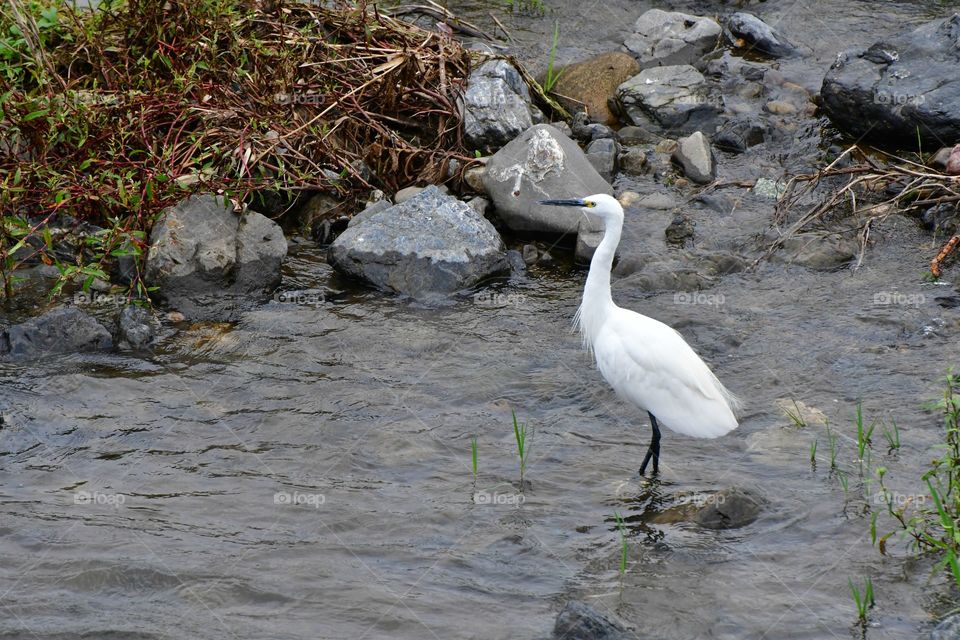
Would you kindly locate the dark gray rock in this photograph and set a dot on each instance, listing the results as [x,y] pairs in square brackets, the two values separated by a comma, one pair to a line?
[664,38]
[200,247]
[602,154]
[587,131]
[518,265]
[63,330]
[738,135]
[136,327]
[679,230]
[889,91]
[430,245]
[530,254]
[674,98]
[541,164]
[496,105]
[695,156]
[947,629]
[633,161]
[747,31]
[729,509]
[579,621]
[637,135]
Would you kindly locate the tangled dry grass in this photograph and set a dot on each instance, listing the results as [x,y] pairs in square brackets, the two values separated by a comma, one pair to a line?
[110,115]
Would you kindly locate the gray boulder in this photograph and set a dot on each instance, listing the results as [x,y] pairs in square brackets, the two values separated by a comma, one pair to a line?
[579,621]
[496,106]
[63,330]
[747,31]
[675,98]
[897,87]
[694,155]
[541,164]
[431,244]
[200,247]
[665,38]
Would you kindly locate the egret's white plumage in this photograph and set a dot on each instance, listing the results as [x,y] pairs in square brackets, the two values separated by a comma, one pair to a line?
[646,362]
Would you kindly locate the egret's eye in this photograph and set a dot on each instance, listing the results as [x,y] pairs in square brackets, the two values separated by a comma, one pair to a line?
[589,204]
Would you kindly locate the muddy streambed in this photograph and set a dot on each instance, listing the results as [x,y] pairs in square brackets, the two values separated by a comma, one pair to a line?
[305,472]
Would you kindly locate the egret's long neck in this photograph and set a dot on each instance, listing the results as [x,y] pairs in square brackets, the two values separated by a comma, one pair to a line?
[597,301]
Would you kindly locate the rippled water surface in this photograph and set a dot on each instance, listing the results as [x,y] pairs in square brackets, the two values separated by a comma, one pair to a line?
[305,472]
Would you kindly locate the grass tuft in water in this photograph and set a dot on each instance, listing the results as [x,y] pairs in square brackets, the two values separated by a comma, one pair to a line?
[864,434]
[892,436]
[551,78]
[622,528]
[473,457]
[520,433]
[862,599]
[795,415]
[813,453]
[832,440]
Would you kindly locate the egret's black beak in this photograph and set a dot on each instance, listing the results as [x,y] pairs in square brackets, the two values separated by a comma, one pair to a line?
[564,203]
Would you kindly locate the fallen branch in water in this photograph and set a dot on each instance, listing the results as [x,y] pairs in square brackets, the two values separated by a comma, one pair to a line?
[911,184]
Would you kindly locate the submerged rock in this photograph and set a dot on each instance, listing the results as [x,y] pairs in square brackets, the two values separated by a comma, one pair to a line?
[200,247]
[947,629]
[747,31]
[676,98]
[593,82]
[541,164]
[579,621]
[729,509]
[818,251]
[431,244]
[664,38]
[896,88]
[496,105]
[136,327]
[63,330]
[694,155]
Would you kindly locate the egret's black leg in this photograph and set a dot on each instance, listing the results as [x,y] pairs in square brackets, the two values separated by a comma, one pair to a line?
[654,450]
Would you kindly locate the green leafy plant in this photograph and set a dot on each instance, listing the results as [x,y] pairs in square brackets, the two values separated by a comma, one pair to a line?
[931,522]
[813,453]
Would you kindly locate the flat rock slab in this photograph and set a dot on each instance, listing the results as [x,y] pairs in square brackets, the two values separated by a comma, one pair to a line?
[676,98]
[665,38]
[541,164]
[896,88]
[430,245]
[63,330]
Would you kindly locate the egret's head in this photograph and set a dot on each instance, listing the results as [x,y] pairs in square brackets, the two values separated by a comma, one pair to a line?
[600,206]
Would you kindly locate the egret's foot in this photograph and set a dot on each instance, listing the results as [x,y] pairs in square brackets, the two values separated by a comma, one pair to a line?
[654,450]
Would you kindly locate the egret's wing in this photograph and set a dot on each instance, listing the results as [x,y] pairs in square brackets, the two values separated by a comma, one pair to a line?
[651,365]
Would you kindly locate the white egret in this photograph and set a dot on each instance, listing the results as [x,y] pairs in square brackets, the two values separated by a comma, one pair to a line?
[646,362]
